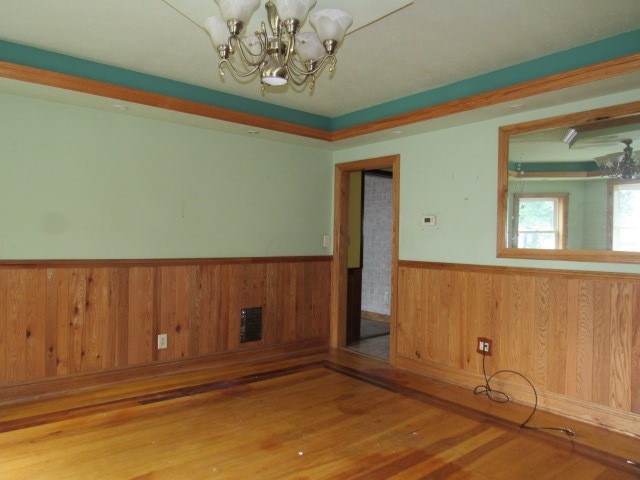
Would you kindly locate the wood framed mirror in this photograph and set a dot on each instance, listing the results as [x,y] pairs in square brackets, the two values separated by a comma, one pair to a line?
[563,193]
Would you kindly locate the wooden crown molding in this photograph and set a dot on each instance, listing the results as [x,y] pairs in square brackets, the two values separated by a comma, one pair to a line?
[117,92]
[579,76]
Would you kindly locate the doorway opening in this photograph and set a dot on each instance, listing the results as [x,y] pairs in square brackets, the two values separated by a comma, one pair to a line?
[364,287]
[369,262]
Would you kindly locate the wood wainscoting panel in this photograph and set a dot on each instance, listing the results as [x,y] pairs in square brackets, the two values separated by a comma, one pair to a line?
[61,319]
[574,335]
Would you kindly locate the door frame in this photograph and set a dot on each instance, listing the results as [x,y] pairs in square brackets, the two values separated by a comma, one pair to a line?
[338,312]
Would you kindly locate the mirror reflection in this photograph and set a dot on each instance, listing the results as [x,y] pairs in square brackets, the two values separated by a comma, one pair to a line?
[572,184]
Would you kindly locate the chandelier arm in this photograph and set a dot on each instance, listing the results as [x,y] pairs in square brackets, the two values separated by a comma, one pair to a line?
[235,71]
[246,54]
[331,58]
[297,79]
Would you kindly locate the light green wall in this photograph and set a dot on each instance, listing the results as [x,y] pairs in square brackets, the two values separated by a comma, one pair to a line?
[82,183]
[595,214]
[453,173]
[77,183]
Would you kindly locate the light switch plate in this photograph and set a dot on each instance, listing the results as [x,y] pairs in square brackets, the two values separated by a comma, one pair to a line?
[429,220]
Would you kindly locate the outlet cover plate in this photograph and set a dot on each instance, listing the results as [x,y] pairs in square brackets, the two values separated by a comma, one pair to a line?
[485,346]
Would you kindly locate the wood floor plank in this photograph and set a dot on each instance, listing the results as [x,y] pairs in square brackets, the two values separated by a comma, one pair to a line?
[290,418]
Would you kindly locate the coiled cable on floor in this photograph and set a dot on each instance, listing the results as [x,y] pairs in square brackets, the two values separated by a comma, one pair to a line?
[501,397]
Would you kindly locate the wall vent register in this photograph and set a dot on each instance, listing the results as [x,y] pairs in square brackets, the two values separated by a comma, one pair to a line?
[250,324]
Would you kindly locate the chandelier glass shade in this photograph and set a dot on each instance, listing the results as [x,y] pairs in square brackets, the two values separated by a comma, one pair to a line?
[625,166]
[285,54]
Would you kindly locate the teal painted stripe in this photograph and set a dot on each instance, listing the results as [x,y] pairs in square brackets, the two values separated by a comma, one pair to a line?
[585,166]
[43,59]
[603,50]
[589,54]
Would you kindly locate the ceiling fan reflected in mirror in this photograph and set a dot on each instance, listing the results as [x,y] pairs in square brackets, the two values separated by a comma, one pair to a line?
[625,166]
[605,141]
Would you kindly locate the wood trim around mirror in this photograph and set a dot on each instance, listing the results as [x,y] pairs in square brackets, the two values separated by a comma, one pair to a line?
[504,134]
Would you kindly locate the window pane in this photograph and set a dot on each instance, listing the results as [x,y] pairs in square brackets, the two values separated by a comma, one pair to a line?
[539,221]
[629,204]
[628,239]
[626,217]
[538,214]
[537,240]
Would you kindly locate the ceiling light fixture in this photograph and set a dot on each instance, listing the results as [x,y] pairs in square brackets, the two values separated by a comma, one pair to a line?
[287,55]
[625,166]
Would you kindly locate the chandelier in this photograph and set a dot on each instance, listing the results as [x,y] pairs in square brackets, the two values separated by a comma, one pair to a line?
[625,166]
[286,54]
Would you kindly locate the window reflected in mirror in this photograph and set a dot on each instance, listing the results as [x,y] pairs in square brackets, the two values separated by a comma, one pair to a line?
[569,187]
[625,216]
[540,220]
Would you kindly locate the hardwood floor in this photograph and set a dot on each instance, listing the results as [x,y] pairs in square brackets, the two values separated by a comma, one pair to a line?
[337,415]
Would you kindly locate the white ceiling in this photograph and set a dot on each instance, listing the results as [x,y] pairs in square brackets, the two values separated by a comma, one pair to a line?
[425,45]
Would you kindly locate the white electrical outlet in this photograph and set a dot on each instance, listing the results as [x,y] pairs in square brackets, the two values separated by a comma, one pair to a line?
[386,297]
[484,346]
[162,341]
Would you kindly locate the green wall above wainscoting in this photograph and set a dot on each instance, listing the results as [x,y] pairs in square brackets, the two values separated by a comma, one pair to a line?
[452,173]
[77,183]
